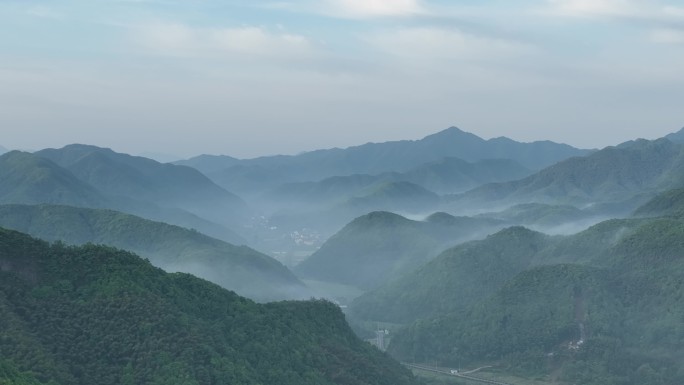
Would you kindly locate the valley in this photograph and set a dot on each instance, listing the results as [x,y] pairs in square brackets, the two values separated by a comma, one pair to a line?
[541,270]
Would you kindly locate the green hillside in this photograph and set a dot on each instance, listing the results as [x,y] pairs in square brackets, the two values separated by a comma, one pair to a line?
[468,273]
[379,246]
[97,315]
[26,178]
[29,179]
[453,280]
[668,203]
[172,248]
[148,180]
[609,175]
[624,306]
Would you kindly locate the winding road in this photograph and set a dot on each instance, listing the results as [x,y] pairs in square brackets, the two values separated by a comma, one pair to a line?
[463,375]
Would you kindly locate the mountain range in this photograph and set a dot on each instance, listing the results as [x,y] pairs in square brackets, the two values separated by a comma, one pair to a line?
[31,179]
[259,174]
[612,174]
[173,248]
[593,307]
[148,180]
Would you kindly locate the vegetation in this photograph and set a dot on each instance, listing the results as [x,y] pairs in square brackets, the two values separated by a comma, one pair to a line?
[26,178]
[144,179]
[97,315]
[668,203]
[455,279]
[613,319]
[172,248]
[260,174]
[608,175]
[379,246]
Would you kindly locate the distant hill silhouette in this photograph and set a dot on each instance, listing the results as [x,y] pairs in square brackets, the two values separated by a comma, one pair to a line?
[27,178]
[145,179]
[609,175]
[375,158]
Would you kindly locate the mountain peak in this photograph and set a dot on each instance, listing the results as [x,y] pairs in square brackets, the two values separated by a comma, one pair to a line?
[450,134]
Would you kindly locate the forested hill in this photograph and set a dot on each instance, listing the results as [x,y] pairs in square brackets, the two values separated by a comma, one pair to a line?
[612,174]
[96,315]
[239,268]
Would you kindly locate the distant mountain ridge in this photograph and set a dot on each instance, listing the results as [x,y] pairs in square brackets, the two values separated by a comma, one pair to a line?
[27,178]
[609,175]
[145,179]
[376,158]
[3,150]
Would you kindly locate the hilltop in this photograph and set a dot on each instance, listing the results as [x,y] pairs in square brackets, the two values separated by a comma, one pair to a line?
[379,246]
[259,174]
[97,315]
[238,268]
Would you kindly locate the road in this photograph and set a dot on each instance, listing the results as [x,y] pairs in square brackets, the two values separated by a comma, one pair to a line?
[460,375]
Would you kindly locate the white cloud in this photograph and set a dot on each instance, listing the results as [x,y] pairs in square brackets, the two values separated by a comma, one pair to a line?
[374,8]
[667,36]
[592,8]
[440,44]
[44,12]
[632,9]
[182,40]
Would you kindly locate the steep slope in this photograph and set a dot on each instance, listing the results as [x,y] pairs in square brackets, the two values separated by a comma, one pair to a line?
[30,179]
[453,280]
[241,269]
[379,246]
[26,178]
[147,180]
[609,175]
[376,158]
[615,324]
[96,315]
[468,273]
[3,150]
[668,203]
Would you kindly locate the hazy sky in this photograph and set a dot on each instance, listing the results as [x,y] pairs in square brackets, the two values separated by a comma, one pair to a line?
[252,77]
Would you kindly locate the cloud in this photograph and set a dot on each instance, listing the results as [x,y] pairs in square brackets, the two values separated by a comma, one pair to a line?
[175,39]
[443,44]
[374,8]
[667,36]
[631,9]
[594,8]
[352,9]
[44,12]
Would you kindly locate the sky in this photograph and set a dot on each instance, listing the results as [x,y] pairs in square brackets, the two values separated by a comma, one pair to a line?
[257,77]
